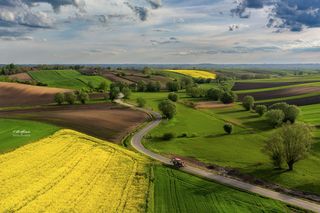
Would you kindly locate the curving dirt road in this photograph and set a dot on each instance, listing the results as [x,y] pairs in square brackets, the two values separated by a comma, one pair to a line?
[136,143]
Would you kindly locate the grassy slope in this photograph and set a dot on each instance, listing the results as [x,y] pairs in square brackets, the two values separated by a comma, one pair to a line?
[9,142]
[176,191]
[242,150]
[70,79]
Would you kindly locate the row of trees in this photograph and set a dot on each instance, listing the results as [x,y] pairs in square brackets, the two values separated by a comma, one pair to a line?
[71,97]
[224,95]
[276,114]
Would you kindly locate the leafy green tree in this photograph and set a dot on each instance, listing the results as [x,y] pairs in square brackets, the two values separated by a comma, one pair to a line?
[214,94]
[59,98]
[281,106]
[291,113]
[114,93]
[141,102]
[126,93]
[275,117]
[173,86]
[141,86]
[167,108]
[261,109]
[228,97]
[274,149]
[153,86]
[91,85]
[83,97]
[195,92]
[103,86]
[228,128]
[173,97]
[185,82]
[292,142]
[70,97]
[248,102]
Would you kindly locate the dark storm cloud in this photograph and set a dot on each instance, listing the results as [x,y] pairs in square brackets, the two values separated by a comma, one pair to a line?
[285,14]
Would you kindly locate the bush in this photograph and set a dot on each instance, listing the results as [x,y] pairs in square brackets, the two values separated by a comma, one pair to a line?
[83,97]
[183,135]
[173,97]
[59,98]
[228,97]
[141,102]
[248,102]
[228,128]
[168,136]
[261,109]
[70,97]
[214,94]
[275,117]
[167,108]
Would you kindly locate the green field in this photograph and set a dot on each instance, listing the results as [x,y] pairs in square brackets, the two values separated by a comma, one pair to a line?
[243,150]
[69,79]
[175,191]
[10,139]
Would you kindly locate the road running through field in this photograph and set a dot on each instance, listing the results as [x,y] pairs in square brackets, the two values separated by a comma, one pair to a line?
[136,143]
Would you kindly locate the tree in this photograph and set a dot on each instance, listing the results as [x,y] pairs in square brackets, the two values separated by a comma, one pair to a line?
[195,92]
[141,86]
[173,97]
[228,128]
[153,86]
[275,117]
[185,82]
[228,97]
[90,85]
[214,94]
[114,93]
[103,86]
[70,97]
[126,93]
[291,113]
[281,106]
[274,149]
[173,86]
[83,97]
[141,102]
[248,102]
[261,109]
[59,98]
[167,108]
[147,70]
[292,142]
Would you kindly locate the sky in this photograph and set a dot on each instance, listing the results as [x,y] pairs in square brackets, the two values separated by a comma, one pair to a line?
[159,31]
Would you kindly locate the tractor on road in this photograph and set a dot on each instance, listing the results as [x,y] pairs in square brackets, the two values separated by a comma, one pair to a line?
[177,162]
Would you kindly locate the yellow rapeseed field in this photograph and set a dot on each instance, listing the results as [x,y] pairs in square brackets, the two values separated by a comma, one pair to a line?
[73,172]
[196,73]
